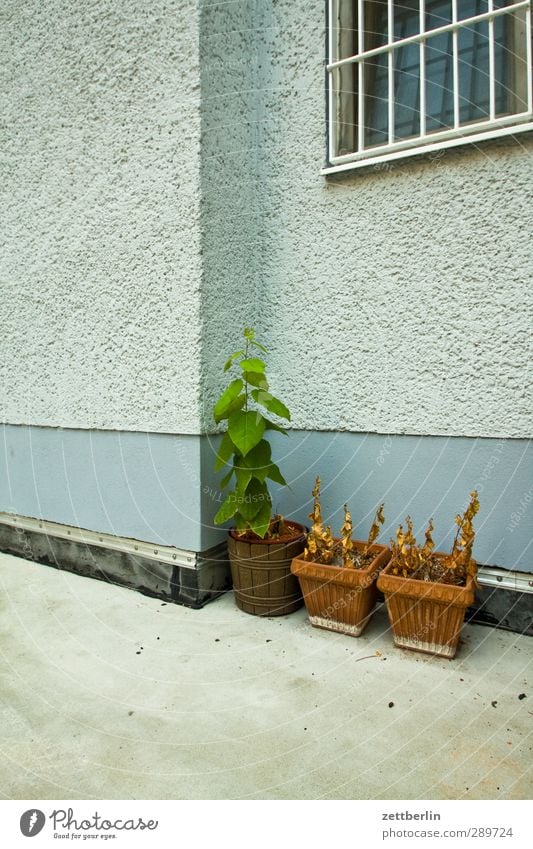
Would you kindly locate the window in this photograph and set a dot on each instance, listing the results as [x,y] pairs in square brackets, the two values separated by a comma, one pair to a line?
[406,76]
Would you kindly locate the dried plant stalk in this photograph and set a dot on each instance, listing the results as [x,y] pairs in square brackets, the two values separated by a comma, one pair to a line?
[320,541]
[411,560]
[461,556]
[322,547]
[376,527]
[346,538]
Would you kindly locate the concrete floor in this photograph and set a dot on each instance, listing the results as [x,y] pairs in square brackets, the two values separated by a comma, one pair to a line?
[111,695]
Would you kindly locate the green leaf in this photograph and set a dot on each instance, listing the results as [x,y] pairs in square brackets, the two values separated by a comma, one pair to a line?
[246,430]
[252,364]
[231,360]
[229,401]
[240,522]
[257,345]
[271,426]
[261,521]
[253,500]
[228,509]
[256,379]
[260,455]
[273,405]
[274,474]
[235,405]
[225,450]
[244,477]
[226,479]
[258,459]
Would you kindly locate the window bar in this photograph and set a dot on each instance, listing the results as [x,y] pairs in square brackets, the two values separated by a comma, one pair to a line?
[477,39]
[492,66]
[422,60]
[414,39]
[529,60]
[361,78]
[333,34]
[390,55]
[455,67]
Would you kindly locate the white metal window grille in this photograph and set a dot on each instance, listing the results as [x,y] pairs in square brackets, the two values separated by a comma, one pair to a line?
[405,76]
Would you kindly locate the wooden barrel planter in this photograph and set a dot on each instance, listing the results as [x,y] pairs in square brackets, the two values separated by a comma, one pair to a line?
[261,572]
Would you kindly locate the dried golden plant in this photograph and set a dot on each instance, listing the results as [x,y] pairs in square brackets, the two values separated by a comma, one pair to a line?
[410,559]
[429,545]
[320,541]
[406,554]
[323,547]
[316,515]
[376,527]
[461,556]
[328,545]
[346,538]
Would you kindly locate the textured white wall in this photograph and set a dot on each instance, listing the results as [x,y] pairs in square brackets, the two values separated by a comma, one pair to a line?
[100,265]
[231,192]
[393,301]
[162,189]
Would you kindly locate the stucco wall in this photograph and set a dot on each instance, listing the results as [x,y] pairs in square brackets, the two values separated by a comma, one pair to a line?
[161,190]
[100,250]
[395,300]
[230,189]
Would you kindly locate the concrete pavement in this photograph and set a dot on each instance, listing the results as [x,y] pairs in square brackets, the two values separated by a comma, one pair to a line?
[108,694]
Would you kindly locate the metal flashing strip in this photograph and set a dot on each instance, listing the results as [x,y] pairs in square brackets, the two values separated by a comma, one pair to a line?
[488,576]
[521,582]
[151,551]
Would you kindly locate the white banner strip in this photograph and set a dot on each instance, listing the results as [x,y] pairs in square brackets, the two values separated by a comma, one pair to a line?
[267,824]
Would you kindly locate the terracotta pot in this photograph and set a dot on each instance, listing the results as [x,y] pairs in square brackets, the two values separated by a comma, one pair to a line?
[341,599]
[424,615]
[261,572]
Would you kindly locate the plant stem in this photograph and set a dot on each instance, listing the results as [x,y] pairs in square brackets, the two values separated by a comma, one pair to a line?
[455,541]
[245,381]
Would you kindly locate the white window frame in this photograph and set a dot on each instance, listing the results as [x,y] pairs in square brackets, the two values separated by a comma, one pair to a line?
[491,128]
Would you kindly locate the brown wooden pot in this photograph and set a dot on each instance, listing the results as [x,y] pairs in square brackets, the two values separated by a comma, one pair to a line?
[261,572]
[337,598]
[425,615]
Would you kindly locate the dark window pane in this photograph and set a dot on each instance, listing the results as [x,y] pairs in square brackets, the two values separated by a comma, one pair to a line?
[345,78]
[375,24]
[376,74]
[473,51]
[438,13]
[407,91]
[502,63]
[376,101]
[345,29]
[510,71]
[439,83]
[469,8]
[406,18]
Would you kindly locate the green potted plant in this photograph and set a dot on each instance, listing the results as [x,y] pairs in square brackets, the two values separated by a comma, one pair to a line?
[338,575]
[260,545]
[427,592]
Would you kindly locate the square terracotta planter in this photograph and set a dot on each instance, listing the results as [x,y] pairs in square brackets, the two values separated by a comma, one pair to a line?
[337,598]
[424,615]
